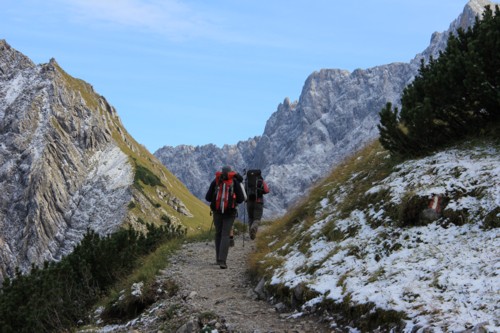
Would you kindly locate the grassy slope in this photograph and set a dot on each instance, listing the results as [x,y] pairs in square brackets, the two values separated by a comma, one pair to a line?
[326,223]
[371,161]
[148,205]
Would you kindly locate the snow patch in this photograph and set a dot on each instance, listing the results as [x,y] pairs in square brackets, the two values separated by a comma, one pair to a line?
[447,278]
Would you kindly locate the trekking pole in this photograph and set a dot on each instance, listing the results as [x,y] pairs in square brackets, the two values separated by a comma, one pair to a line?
[211,225]
[244,224]
[245,207]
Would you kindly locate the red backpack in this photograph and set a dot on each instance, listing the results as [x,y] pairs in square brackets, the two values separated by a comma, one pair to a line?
[225,197]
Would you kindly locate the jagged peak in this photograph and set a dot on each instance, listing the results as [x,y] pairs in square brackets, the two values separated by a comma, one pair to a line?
[286,102]
[471,10]
[478,5]
[11,59]
[69,160]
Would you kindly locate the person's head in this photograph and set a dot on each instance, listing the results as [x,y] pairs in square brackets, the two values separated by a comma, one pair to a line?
[226,169]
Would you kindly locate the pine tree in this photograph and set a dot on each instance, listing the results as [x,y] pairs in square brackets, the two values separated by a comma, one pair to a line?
[452,97]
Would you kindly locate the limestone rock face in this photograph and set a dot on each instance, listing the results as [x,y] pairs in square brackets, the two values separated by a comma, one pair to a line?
[66,164]
[336,114]
[196,166]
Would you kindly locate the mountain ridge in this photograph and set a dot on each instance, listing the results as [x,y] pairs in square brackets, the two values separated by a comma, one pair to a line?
[68,164]
[336,114]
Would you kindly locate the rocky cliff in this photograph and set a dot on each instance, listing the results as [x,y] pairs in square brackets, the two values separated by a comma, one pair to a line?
[67,164]
[336,114]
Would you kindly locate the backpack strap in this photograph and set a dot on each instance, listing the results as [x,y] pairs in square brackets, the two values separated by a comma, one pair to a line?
[220,176]
[223,197]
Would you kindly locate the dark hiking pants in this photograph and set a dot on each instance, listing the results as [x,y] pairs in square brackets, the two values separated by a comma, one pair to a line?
[255,210]
[223,224]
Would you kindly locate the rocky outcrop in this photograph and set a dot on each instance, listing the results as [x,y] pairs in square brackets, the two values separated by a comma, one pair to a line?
[66,165]
[196,166]
[337,113]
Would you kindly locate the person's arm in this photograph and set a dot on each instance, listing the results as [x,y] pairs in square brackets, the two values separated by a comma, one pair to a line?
[265,188]
[239,177]
[238,190]
[210,192]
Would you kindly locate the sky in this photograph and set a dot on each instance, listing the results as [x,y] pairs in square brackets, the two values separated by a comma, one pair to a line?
[199,72]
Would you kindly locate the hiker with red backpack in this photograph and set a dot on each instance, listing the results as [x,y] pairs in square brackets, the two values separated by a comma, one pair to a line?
[224,195]
[255,188]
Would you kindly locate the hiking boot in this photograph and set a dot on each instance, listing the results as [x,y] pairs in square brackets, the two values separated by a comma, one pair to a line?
[253,231]
[231,241]
[222,265]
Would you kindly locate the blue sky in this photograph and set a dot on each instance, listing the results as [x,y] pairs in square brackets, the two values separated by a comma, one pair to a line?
[198,72]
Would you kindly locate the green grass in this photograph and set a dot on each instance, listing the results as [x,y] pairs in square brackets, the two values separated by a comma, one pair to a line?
[145,176]
[146,272]
[362,169]
[346,191]
[86,91]
[350,179]
[54,297]
[150,175]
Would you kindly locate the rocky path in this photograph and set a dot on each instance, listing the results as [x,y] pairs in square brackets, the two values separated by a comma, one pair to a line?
[225,297]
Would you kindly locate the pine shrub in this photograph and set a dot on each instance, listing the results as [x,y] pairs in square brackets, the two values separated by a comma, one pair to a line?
[57,296]
[146,176]
[453,97]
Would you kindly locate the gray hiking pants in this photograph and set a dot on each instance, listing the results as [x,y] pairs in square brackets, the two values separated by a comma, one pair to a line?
[223,224]
[255,210]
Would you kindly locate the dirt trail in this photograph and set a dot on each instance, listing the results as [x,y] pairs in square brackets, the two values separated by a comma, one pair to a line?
[227,293]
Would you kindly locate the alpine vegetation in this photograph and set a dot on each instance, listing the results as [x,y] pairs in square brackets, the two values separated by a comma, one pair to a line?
[455,95]
[407,245]
[383,245]
[336,114]
[67,165]
[60,295]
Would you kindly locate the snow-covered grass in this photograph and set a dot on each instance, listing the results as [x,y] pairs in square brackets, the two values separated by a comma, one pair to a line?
[441,276]
[469,178]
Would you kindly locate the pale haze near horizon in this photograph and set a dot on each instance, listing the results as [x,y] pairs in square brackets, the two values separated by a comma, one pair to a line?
[191,72]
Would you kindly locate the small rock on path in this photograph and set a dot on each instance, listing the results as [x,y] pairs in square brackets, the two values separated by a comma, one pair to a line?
[227,293]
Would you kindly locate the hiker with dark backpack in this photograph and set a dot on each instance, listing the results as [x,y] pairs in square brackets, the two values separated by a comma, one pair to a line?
[240,180]
[255,187]
[224,195]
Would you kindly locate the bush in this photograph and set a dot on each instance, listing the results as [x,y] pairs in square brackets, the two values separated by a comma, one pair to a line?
[54,298]
[456,217]
[451,98]
[145,175]
[411,209]
[492,220]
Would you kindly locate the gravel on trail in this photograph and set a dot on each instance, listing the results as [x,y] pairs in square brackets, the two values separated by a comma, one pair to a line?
[225,297]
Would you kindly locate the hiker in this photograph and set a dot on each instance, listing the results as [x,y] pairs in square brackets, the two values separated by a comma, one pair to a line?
[224,195]
[255,187]
[231,233]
